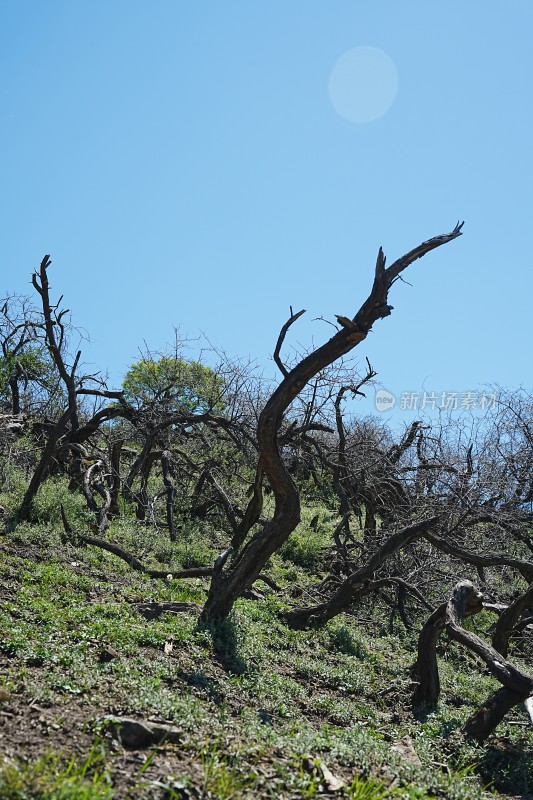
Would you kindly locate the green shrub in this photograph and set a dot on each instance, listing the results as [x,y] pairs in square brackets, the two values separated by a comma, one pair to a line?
[53,494]
[304,547]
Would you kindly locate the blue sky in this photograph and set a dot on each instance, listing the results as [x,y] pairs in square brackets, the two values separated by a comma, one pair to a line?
[183,164]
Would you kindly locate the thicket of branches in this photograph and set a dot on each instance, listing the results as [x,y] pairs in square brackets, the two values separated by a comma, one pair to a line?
[180,440]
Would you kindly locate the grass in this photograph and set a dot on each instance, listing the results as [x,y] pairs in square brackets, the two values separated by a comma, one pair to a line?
[260,706]
[54,776]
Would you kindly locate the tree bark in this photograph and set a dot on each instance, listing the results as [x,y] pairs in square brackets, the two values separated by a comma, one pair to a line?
[15,393]
[508,619]
[43,467]
[427,692]
[170,493]
[115,452]
[490,714]
[465,601]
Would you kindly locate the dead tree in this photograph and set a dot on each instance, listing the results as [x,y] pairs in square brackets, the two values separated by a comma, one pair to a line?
[428,689]
[517,686]
[349,590]
[347,593]
[23,360]
[342,478]
[235,572]
[471,495]
[67,432]
[508,620]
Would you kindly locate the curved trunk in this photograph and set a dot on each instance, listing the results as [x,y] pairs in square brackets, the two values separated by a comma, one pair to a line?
[229,582]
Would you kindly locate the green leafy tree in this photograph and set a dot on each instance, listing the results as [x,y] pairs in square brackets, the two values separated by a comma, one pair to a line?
[27,376]
[27,379]
[174,384]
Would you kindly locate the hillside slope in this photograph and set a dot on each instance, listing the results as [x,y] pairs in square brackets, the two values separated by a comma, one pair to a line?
[255,709]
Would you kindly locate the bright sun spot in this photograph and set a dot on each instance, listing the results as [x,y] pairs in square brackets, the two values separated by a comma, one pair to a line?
[363,84]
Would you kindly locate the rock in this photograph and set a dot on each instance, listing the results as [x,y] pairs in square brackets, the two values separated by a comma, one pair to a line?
[169,646]
[139,734]
[404,748]
[329,781]
[107,654]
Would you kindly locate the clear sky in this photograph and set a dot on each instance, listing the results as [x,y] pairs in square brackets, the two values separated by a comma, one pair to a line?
[189,164]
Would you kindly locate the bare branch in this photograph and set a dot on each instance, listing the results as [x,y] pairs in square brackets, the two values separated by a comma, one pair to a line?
[292,319]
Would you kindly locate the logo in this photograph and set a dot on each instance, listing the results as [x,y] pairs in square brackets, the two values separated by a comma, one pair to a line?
[384,400]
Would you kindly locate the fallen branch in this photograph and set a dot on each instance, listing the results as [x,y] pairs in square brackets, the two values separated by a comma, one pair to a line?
[153,610]
[138,566]
[347,593]
[129,558]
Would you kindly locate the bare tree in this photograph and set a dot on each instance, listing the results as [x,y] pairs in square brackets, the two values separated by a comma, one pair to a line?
[517,686]
[434,492]
[26,374]
[66,433]
[233,575]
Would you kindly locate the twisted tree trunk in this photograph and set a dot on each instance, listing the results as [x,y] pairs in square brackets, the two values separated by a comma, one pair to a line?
[231,579]
[517,686]
[467,601]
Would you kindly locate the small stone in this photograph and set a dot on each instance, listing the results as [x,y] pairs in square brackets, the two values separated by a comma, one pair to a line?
[134,735]
[107,654]
[404,748]
[137,735]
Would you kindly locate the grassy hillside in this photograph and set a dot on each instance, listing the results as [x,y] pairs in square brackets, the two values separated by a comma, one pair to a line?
[258,710]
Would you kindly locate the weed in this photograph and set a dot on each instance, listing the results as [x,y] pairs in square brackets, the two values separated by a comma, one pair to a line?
[221,778]
[54,776]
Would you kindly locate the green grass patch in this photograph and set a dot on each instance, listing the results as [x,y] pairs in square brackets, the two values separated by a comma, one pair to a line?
[260,705]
